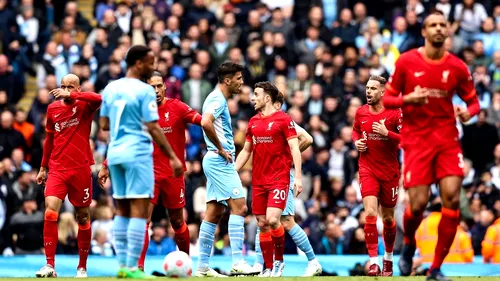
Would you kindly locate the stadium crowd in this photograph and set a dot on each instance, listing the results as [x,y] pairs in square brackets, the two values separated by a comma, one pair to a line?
[319,53]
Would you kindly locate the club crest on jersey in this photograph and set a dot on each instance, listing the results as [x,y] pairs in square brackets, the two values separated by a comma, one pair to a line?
[444,78]
[167,118]
[270,126]
[74,110]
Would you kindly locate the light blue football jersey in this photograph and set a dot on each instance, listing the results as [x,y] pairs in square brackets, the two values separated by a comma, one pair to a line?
[129,103]
[216,104]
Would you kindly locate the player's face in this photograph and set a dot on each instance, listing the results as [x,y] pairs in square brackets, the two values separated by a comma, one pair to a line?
[259,99]
[374,92]
[157,83]
[146,66]
[435,30]
[70,85]
[236,83]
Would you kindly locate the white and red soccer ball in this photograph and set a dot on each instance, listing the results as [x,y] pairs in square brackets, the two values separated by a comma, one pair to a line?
[178,264]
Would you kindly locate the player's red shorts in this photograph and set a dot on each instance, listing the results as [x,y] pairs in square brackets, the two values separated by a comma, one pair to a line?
[427,163]
[266,196]
[172,191]
[76,183]
[385,191]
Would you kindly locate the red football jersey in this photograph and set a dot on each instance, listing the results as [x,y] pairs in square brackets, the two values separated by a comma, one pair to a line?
[71,126]
[381,155]
[436,119]
[272,158]
[174,115]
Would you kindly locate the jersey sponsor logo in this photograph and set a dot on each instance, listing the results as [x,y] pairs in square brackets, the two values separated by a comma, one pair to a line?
[444,78]
[57,127]
[257,140]
[66,124]
[167,130]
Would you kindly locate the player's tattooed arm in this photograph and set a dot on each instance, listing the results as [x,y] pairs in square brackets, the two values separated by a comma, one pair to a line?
[305,140]
[160,139]
[207,124]
[244,155]
[104,123]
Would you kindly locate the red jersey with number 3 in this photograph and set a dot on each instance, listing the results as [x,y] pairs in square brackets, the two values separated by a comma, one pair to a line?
[174,115]
[434,121]
[71,126]
[272,158]
[381,155]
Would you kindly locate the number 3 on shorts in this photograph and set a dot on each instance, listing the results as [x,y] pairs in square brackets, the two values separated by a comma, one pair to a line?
[279,194]
[461,163]
[87,195]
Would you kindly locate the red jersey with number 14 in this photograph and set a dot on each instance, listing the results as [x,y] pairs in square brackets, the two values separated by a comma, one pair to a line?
[71,126]
[272,158]
[381,155]
[434,121]
[174,115]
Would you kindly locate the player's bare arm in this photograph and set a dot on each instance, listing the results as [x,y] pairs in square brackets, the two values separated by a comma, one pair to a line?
[160,139]
[41,178]
[297,161]
[305,140]
[207,124]
[103,175]
[244,155]
[104,123]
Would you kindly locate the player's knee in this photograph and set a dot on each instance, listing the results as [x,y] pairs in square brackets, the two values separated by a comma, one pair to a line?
[176,222]
[83,217]
[388,219]
[262,223]
[371,211]
[288,222]
[241,211]
[418,206]
[273,222]
[51,215]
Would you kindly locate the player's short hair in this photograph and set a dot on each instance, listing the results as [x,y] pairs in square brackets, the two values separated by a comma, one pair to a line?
[433,11]
[269,89]
[379,79]
[135,53]
[228,69]
[280,98]
[156,74]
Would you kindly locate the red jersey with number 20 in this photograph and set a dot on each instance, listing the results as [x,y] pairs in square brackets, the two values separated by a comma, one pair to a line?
[71,126]
[174,115]
[381,155]
[272,158]
[434,121]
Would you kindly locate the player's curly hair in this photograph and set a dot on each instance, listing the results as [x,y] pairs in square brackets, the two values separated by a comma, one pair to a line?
[228,69]
[269,89]
[136,53]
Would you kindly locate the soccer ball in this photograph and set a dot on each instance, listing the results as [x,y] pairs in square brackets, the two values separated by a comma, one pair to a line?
[178,264]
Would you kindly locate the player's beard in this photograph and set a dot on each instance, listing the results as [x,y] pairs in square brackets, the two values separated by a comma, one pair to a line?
[437,44]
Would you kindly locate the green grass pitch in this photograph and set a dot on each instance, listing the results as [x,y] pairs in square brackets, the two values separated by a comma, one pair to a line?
[357,278]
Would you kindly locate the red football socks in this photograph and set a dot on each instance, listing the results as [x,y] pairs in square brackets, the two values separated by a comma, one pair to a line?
[389,236]
[278,236]
[50,235]
[182,238]
[411,224]
[267,247]
[84,237]
[371,236]
[142,257]
[447,229]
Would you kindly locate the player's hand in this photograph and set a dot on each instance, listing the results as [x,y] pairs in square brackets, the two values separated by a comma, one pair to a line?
[41,178]
[419,96]
[103,175]
[360,145]
[380,128]
[59,93]
[297,186]
[462,113]
[227,155]
[176,165]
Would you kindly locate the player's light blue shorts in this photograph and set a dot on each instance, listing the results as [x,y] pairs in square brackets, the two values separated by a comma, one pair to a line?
[132,180]
[290,202]
[223,182]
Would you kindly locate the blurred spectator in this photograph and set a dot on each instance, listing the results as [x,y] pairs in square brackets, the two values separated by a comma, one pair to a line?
[160,243]
[27,228]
